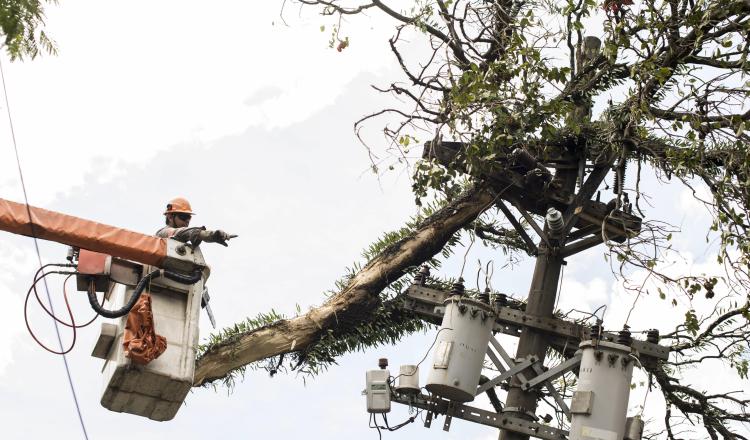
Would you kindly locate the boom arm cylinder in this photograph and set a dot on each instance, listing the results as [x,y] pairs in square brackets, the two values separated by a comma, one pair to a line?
[31,221]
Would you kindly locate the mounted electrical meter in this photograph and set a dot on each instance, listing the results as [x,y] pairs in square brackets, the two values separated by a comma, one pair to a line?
[460,348]
[378,391]
[600,402]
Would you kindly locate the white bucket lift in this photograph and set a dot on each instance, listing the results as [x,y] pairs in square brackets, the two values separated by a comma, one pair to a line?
[155,390]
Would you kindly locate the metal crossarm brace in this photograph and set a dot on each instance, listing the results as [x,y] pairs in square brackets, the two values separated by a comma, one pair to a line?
[504,354]
[514,369]
[481,416]
[521,231]
[581,245]
[427,303]
[531,222]
[553,373]
[583,198]
[553,392]
[538,368]
[495,360]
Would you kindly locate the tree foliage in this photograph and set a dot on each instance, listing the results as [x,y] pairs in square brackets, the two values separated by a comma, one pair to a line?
[22,25]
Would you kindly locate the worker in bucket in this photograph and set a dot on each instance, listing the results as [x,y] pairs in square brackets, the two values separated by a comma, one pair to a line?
[177,218]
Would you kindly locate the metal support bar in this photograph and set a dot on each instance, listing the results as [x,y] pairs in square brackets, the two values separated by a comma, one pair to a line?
[481,416]
[553,373]
[521,231]
[427,302]
[583,198]
[553,392]
[495,360]
[548,325]
[539,231]
[514,369]
[535,365]
[449,416]
[584,231]
[496,345]
[581,245]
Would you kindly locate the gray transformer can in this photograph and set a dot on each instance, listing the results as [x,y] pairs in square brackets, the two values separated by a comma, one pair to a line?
[460,349]
[600,403]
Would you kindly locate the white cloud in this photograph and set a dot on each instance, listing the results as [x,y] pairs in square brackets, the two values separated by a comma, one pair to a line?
[125,86]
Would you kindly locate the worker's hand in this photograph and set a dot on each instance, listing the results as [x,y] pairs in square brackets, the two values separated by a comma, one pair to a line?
[222,237]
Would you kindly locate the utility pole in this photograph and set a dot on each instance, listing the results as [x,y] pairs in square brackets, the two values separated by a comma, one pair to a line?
[524,179]
[546,278]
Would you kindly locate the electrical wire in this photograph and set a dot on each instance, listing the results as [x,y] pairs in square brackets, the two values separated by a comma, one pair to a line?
[374,424]
[38,253]
[67,305]
[41,303]
[72,323]
[393,380]
[400,425]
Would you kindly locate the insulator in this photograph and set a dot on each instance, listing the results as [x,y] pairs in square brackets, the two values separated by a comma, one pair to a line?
[421,277]
[597,330]
[484,296]
[458,287]
[619,184]
[555,221]
[500,300]
[624,337]
[652,336]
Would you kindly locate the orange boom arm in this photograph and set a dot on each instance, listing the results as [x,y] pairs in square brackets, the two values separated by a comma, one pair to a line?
[81,233]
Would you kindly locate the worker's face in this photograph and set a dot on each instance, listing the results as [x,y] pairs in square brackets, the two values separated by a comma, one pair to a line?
[178,220]
[181,220]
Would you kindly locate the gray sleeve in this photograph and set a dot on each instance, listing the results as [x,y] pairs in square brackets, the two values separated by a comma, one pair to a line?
[181,234]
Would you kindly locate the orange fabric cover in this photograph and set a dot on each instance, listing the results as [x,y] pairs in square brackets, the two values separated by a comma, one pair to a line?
[85,234]
[139,340]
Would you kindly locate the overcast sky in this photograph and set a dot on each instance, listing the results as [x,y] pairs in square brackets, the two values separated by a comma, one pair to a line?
[252,121]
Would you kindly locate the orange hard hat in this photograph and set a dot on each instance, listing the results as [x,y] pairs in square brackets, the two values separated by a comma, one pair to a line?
[179,205]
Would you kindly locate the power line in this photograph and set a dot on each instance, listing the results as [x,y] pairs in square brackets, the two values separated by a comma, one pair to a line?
[39,254]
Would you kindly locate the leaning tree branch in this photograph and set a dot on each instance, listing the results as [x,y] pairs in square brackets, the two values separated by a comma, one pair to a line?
[354,302]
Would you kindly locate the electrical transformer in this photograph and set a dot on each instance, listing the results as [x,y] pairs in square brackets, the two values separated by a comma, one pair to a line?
[460,348]
[600,403]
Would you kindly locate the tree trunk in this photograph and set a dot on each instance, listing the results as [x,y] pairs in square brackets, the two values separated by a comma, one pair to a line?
[355,302]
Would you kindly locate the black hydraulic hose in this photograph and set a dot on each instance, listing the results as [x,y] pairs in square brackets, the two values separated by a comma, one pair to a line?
[124,310]
[184,279]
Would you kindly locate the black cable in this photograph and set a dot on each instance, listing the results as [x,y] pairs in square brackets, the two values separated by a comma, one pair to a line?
[374,424]
[124,310]
[400,425]
[184,279]
[39,254]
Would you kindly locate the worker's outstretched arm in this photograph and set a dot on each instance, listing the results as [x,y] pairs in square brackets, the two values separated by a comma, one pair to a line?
[196,235]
